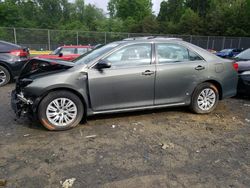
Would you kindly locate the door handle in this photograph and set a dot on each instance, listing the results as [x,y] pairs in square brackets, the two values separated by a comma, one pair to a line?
[148,72]
[199,67]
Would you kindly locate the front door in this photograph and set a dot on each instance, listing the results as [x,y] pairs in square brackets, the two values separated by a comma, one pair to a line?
[128,83]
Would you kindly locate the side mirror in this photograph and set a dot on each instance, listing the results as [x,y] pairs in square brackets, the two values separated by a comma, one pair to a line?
[60,54]
[103,64]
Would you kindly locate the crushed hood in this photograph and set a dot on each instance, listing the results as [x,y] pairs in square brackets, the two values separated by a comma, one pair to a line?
[39,66]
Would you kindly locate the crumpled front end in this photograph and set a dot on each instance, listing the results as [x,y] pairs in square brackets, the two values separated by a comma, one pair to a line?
[23,102]
[20,104]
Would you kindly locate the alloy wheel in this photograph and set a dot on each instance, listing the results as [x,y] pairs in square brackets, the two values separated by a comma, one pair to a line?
[206,99]
[61,112]
[2,77]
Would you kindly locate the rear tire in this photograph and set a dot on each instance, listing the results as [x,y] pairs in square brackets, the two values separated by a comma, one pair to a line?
[4,76]
[60,110]
[204,99]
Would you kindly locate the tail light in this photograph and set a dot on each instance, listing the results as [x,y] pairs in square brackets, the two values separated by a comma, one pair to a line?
[20,53]
[236,66]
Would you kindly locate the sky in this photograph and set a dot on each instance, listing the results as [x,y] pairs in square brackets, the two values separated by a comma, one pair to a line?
[103,4]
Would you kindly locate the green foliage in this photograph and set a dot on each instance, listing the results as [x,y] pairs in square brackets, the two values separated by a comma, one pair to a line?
[228,18]
[196,17]
[190,23]
[136,9]
[171,10]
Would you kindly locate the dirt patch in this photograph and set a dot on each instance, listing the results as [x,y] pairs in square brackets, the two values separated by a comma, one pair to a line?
[126,151]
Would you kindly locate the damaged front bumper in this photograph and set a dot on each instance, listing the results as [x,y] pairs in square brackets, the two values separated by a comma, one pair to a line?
[20,104]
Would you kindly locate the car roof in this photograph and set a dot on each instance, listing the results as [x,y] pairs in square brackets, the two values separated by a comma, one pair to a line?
[152,38]
[76,46]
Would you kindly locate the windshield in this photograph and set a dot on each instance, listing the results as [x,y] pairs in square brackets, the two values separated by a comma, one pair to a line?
[88,57]
[244,55]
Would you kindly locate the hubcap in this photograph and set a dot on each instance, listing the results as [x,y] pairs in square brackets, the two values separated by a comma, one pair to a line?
[206,99]
[2,77]
[61,112]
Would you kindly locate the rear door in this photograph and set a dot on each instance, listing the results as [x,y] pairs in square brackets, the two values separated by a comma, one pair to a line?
[179,70]
[128,83]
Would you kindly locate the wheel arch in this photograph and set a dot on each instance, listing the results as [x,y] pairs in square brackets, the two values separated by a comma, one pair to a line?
[3,64]
[217,85]
[77,93]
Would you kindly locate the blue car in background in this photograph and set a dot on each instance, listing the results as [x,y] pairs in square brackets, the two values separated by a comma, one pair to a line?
[229,52]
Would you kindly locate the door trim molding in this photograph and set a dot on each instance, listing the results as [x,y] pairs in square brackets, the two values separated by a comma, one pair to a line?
[137,108]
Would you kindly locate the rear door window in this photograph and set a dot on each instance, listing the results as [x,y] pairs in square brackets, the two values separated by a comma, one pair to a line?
[174,53]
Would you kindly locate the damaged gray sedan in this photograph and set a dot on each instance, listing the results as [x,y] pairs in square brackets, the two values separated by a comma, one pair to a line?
[133,74]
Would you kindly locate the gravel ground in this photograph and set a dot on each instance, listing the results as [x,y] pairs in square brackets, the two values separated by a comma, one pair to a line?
[161,148]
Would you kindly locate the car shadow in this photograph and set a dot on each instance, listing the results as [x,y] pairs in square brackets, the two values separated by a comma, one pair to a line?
[242,97]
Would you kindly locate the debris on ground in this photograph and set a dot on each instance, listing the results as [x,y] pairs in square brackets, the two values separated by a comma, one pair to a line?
[81,132]
[247,105]
[137,123]
[247,120]
[203,147]
[26,135]
[91,136]
[217,115]
[198,151]
[167,146]
[3,182]
[209,129]
[113,126]
[68,183]
[217,161]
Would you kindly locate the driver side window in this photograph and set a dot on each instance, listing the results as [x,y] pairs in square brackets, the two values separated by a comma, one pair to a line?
[133,55]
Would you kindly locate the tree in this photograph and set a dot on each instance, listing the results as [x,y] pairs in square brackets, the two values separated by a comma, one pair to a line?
[204,17]
[228,18]
[92,15]
[201,7]
[190,23]
[136,9]
[170,10]
[9,13]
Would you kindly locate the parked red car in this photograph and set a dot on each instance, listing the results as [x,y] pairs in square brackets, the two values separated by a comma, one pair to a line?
[67,53]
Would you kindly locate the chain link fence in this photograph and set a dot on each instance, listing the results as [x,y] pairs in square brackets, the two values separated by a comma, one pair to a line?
[44,39]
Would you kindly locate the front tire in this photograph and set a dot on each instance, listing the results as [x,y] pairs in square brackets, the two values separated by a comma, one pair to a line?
[205,98]
[4,76]
[60,110]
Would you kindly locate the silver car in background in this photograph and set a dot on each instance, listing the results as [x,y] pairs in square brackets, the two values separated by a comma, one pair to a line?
[133,74]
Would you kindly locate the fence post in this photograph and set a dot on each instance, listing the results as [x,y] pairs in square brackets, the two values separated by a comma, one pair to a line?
[213,45]
[239,44]
[105,37]
[77,38]
[223,42]
[231,43]
[208,42]
[14,29]
[191,38]
[49,39]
